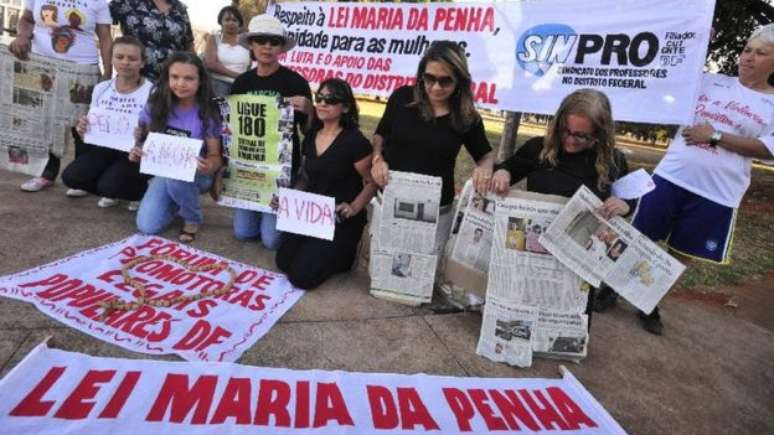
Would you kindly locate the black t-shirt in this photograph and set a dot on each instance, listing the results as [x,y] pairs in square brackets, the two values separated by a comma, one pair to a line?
[333,172]
[572,170]
[284,82]
[428,148]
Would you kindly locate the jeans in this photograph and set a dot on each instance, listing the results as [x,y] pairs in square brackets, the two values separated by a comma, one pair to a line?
[165,197]
[256,225]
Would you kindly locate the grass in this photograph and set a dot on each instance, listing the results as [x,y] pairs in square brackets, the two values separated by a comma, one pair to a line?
[753,243]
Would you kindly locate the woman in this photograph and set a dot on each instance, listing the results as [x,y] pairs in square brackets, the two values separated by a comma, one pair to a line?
[578,150]
[180,105]
[424,126]
[268,39]
[224,56]
[47,30]
[337,162]
[706,170]
[105,171]
[162,26]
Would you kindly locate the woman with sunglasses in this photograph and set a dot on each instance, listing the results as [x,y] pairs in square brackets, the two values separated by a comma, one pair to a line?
[337,162]
[425,125]
[267,39]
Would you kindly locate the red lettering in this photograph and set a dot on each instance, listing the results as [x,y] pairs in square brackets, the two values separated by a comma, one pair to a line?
[175,394]
[75,406]
[384,413]
[329,405]
[512,409]
[302,405]
[273,399]
[572,413]
[235,402]
[480,400]
[545,413]
[413,411]
[33,404]
[121,395]
[51,280]
[259,302]
[460,407]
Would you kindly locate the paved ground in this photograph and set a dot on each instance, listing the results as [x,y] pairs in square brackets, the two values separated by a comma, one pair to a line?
[712,371]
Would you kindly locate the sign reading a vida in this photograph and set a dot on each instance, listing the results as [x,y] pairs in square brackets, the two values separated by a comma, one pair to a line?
[306,213]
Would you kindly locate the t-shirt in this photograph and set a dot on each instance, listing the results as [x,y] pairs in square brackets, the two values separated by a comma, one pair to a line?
[234,57]
[161,34]
[106,96]
[430,148]
[185,123]
[564,179]
[66,29]
[284,82]
[716,173]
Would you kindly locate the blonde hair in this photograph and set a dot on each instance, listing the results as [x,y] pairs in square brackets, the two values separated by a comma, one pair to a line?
[595,106]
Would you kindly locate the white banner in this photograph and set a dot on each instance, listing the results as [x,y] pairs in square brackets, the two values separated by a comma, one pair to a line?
[306,213]
[524,56]
[170,156]
[184,309]
[56,392]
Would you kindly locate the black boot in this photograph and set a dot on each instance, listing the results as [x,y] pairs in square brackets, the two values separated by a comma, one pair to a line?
[606,298]
[652,322]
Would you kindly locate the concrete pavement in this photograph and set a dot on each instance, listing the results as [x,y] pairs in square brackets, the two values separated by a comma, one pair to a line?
[711,372]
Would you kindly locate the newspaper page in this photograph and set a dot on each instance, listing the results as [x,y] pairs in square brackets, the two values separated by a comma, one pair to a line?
[612,251]
[527,284]
[40,100]
[473,235]
[405,277]
[410,211]
[257,140]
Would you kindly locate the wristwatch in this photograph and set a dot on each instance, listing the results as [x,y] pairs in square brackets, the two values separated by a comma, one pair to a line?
[715,138]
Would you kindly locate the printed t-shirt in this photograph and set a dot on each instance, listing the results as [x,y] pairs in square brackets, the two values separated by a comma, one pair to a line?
[430,148]
[66,29]
[185,123]
[715,173]
[107,97]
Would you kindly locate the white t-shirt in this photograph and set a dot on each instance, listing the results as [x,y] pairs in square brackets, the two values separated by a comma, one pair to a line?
[715,173]
[107,97]
[66,29]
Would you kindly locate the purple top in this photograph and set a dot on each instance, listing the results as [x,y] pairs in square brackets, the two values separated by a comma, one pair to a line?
[184,122]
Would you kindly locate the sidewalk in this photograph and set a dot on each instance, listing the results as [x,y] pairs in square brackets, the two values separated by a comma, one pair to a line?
[711,372]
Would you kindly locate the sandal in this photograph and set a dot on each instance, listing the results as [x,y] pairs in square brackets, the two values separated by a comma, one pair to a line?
[188,233]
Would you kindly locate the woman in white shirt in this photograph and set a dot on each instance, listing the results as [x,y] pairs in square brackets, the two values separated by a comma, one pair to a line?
[224,56]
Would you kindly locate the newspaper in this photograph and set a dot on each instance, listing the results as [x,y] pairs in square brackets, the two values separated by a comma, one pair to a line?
[534,304]
[409,213]
[40,100]
[611,251]
[401,276]
[473,233]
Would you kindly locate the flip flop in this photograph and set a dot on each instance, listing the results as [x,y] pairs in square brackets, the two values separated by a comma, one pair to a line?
[187,236]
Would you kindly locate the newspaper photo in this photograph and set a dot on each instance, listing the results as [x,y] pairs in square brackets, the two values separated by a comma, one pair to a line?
[40,100]
[473,233]
[527,285]
[612,251]
[409,213]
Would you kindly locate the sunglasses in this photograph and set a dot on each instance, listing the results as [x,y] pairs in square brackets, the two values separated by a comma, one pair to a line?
[442,81]
[328,99]
[274,41]
[581,138]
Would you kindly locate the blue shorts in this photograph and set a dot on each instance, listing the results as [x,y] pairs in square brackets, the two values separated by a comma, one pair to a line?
[691,224]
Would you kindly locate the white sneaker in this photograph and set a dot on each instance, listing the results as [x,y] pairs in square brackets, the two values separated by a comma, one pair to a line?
[36,184]
[106,202]
[133,205]
[76,193]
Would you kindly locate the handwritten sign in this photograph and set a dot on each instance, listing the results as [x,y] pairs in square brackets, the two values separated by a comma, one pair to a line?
[633,185]
[170,156]
[111,129]
[306,213]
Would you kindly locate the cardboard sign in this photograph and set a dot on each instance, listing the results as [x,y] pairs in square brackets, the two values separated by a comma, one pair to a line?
[306,213]
[170,156]
[54,392]
[111,129]
[176,316]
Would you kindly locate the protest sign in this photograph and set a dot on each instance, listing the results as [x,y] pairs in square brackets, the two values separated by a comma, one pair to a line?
[633,185]
[182,311]
[170,156]
[306,213]
[258,141]
[54,392]
[524,56]
[111,129]
[40,100]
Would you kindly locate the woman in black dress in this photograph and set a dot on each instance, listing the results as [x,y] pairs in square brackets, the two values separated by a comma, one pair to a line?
[337,162]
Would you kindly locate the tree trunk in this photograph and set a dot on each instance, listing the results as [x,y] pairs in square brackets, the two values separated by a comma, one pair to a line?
[510,132]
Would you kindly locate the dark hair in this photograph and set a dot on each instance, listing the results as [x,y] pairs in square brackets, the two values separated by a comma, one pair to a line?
[162,100]
[461,109]
[233,10]
[131,40]
[342,90]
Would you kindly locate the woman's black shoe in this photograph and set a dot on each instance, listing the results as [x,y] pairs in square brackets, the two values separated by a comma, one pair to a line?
[606,298]
[652,322]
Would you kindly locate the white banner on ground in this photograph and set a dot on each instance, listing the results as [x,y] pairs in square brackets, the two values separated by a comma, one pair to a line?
[170,156]
[177,318]
[524,56]
[306,213]
[111,127]
[52,392]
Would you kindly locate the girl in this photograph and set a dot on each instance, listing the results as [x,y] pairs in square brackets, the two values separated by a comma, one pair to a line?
[181,105]
[105,171]
[337,162]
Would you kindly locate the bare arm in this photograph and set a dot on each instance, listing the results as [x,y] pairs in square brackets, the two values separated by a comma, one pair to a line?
[211,59]
[745,146]
[380,171]
[105,49]
[214,160]
[482,174]
[21,45]
[363,167]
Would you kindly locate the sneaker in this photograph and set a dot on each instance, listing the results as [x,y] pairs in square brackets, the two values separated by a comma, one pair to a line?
[105,202]
[76,193]
[606,299]
[36,184]
[652,322]
[133,205]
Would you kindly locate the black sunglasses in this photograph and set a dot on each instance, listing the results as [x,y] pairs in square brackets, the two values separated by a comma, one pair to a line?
[443,81]
[274,41]
[329,99]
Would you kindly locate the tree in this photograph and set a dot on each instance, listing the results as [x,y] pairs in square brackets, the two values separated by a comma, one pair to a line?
[733,22]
